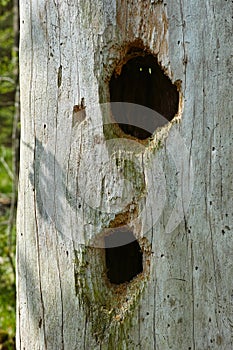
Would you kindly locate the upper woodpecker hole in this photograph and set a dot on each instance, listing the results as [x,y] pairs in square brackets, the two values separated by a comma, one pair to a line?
[149,97]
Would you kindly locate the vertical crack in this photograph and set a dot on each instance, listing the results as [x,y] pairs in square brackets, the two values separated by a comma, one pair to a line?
[185,57]
[193,296]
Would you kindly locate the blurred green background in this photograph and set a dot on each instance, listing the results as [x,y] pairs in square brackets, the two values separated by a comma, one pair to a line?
[9,159]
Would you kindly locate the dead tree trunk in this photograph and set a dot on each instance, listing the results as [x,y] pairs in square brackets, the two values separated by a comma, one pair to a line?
[125,193]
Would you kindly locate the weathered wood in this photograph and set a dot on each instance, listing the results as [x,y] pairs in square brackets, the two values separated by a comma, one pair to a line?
[175,192]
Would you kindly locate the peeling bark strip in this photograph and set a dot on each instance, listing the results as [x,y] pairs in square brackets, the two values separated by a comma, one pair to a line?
[86,180]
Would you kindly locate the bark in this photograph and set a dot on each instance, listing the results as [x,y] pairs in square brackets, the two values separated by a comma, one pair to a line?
[177,198]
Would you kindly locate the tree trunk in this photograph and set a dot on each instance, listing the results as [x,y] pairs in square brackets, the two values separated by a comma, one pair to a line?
[87,180]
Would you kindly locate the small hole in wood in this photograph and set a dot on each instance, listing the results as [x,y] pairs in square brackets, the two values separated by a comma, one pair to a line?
[123,256]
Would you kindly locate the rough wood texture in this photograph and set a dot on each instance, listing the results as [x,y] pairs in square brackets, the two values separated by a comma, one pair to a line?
[178,199]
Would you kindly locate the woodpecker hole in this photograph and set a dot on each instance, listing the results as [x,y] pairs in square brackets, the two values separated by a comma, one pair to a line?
[143,83]
[123,255]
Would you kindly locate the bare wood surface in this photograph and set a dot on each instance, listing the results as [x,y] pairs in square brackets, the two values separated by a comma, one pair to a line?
[183,298]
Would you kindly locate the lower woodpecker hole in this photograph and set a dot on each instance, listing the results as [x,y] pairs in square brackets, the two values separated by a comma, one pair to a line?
[123,256]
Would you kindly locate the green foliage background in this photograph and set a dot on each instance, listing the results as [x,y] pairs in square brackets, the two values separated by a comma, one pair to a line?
[8,81]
